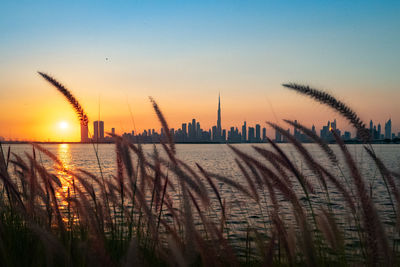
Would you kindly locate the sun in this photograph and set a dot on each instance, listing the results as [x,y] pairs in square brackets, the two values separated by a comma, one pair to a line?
[63,125]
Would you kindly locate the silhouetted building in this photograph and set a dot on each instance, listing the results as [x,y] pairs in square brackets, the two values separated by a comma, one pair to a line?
[264,134]
[296,132]
[184,131]
[244,132]
[388,129]
[284,139]
[219,127]
[326,131]
[346,136]
[278,136]
[98,130]
[214,133]
[84,133]
[258,133]
[379,131]
[313,129]
[251,134]
[234,136]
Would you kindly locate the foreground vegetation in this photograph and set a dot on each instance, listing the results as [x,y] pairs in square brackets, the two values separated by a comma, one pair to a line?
[158,210]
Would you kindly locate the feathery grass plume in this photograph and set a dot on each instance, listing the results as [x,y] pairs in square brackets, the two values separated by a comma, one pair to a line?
[388,180]
[304,182]
[142,163]
[230,182]
[197,187]
[71,99]
[248,179]
[327,225]
[276,162]
[273,158]
[49,154]
[162,202]
[339,186]
[49,179]
[313,136]
[164,124]
[337,105]
[10,187]
[306,155]
[124,156]
[190,229]
[203,190]
[280,184]
[283,235]
[103,191]
[307,237]
[378,248]
[256,175]
[212,184]
[157,178]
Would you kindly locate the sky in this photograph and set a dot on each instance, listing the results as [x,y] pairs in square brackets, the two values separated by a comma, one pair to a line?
[113,55]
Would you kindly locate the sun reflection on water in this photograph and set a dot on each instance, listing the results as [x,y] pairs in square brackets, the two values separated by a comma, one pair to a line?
[67,180]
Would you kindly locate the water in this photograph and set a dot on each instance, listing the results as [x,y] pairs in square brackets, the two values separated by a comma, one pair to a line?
[219,158]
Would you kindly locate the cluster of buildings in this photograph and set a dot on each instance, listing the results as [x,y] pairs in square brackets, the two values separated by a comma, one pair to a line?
[192,132]
[98,133]
[376,132]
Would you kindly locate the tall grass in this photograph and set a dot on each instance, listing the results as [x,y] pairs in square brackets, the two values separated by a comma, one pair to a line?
[159,210]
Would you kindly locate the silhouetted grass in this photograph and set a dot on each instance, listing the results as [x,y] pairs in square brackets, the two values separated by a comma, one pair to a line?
[158,210]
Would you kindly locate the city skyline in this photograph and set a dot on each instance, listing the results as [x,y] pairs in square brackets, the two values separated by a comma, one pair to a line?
[255,132]
[192,132]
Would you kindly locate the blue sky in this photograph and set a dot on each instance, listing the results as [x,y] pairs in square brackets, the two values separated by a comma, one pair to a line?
[182,50]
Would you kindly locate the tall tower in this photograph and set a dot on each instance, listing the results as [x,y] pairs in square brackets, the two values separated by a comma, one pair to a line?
[219,128]
[244,132]
[84,133]
[98,130]
[388,129]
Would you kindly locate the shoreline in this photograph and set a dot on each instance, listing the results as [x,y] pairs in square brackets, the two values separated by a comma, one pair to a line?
[393,142]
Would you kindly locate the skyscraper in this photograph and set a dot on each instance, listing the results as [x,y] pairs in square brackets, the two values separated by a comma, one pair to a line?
[264,134]
[98,130]
[219,128]
[278,136]
[379,131]
[101,129]
[388,129]
[296,131]
[184,131]
[251,134]
[84,133]
[95,130]
[214,133]
[244,132]
[258,132]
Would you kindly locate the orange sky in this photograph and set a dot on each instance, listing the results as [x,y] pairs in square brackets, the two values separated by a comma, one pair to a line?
[114,55]
[35,109]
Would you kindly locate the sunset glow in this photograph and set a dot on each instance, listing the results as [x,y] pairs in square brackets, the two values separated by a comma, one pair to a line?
[63,125]
[183,55]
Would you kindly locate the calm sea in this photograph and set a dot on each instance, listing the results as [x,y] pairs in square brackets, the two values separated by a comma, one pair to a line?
[218,158]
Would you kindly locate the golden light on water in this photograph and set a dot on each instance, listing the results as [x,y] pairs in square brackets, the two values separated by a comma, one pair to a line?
[67,181]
